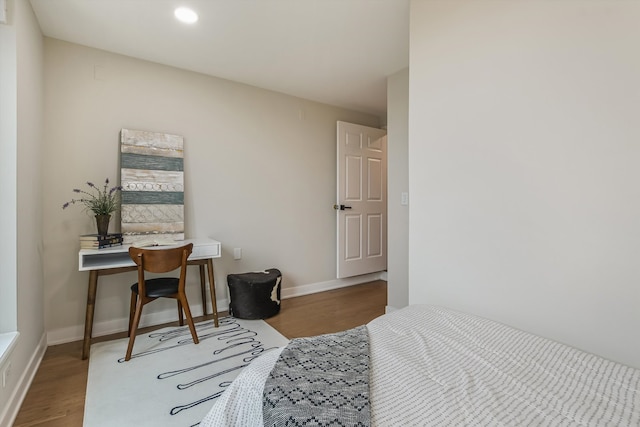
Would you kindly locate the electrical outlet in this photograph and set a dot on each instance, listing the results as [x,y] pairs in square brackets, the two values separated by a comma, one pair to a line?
[6,373]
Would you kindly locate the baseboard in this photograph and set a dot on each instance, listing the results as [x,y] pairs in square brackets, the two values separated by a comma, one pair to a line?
[329,285]
[75,333]
[14,403]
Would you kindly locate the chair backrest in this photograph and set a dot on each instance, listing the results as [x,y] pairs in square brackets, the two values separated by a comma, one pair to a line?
[161,260]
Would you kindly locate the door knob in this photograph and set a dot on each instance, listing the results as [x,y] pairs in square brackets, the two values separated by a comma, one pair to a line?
[341,207]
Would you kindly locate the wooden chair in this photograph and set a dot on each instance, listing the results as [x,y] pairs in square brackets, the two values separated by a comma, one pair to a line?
[147,290]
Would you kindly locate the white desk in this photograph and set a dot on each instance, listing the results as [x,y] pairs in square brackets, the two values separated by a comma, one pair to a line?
[102,262]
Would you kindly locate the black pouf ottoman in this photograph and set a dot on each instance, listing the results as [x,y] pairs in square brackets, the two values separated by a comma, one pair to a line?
[254,295]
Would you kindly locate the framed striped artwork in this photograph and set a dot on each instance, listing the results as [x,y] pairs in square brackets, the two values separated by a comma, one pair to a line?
[152,179]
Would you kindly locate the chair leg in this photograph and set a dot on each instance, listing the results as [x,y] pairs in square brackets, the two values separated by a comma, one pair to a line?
[132,309]
[187,312]
[134,329]
[180,320]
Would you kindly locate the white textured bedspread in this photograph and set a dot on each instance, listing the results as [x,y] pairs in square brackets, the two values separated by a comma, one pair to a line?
[435,367]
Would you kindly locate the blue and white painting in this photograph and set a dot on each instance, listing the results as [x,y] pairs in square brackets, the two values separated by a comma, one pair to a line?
[152,179]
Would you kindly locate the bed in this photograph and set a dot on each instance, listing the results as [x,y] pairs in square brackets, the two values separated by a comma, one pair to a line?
[432,366]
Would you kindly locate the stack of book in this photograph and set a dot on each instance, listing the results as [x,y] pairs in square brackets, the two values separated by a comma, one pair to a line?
[97,241]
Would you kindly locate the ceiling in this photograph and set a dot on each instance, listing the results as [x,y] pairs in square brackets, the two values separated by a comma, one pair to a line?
[337,52]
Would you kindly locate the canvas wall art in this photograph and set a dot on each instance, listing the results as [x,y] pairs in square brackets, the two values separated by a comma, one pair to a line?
[152,179]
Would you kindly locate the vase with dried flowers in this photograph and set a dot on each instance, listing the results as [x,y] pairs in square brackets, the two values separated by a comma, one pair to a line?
[102,202]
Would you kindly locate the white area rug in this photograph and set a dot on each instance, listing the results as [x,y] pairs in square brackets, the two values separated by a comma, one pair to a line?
[170,381]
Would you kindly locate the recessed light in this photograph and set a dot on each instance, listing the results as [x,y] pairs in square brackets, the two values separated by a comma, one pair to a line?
[186,15]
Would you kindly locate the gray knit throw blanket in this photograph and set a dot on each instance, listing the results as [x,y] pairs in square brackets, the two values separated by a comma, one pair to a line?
[320,381]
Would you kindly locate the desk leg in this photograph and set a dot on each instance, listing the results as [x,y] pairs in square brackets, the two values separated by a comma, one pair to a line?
[88,320]
[203,290]
[212,290]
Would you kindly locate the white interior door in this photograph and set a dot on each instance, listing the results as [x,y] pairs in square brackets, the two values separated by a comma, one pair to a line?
[361,208]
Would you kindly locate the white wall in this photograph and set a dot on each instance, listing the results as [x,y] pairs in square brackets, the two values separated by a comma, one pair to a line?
[30,55]
[27,111]
[398,183]
[260,173]
[524,177]
[8,167]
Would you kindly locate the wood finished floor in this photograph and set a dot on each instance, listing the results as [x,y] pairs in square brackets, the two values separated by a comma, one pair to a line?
[56,396]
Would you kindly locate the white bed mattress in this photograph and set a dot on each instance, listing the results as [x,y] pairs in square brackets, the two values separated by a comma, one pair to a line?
[435,367]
